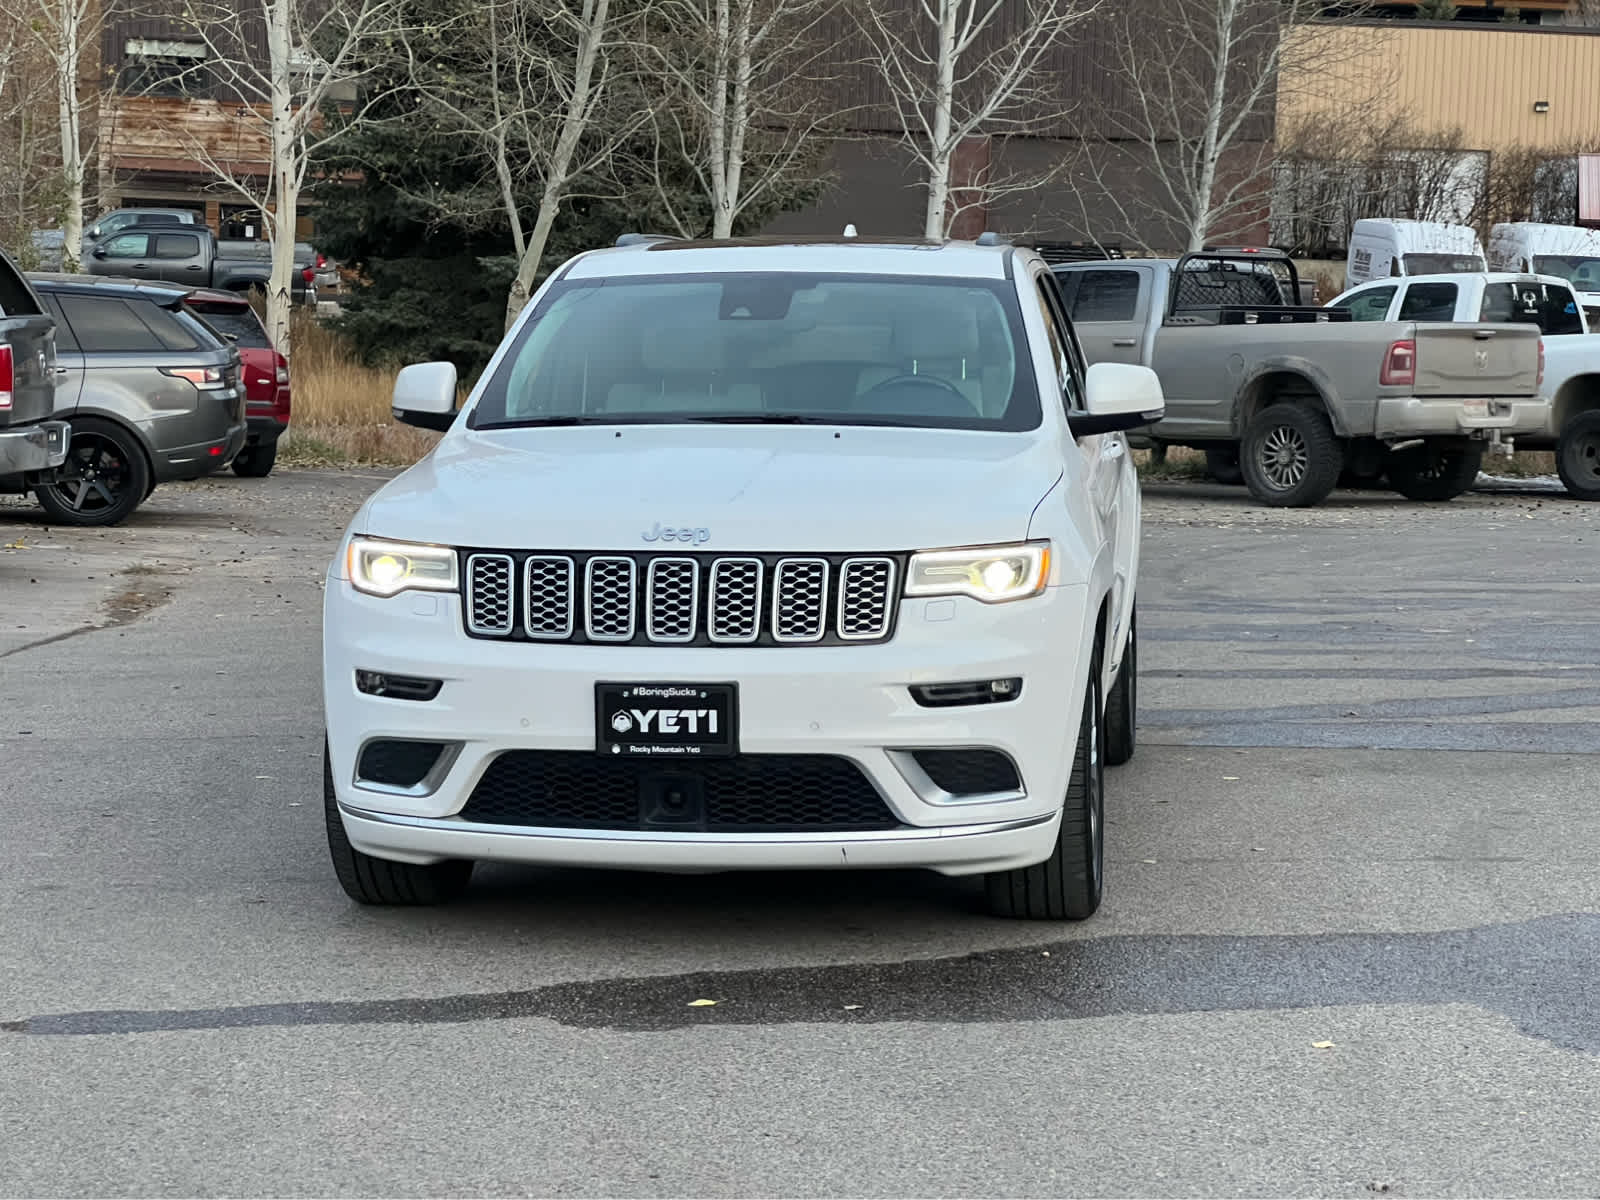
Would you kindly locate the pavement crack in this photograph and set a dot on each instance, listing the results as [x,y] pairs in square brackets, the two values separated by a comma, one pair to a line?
[1138,975]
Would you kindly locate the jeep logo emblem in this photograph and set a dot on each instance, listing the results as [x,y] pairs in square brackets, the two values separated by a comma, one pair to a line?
[697,534]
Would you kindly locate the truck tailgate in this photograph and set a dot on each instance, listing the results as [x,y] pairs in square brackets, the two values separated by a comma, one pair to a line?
[32,340]
[1481,359]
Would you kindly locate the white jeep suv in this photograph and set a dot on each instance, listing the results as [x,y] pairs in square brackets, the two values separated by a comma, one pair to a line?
[749,555]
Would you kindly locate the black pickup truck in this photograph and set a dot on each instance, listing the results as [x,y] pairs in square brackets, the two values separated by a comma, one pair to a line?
[30,442]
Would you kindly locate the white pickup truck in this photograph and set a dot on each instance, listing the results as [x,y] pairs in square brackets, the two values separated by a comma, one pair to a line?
[1569,402]
[749,556]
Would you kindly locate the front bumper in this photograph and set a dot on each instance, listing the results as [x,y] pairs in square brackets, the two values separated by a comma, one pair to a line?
[1417,416]
[38,447]
[850,702]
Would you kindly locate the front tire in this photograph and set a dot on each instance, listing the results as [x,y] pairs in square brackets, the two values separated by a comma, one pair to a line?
[1067,885]
[1290,456]
[256,462]
[1434,473]
[103,480]
[1578,456]
[370,880]
[1122,701]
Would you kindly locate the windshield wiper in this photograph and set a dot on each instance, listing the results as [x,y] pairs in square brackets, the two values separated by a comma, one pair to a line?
[546,422]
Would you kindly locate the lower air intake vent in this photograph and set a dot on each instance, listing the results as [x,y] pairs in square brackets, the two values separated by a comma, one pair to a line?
[969,772]
[398,764]
[755,793]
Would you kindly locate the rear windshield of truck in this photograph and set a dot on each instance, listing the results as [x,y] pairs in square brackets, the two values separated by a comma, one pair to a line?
[1444,264]
[16,298]
[1582,273]
[238,323]
[779,348]
[1551,307]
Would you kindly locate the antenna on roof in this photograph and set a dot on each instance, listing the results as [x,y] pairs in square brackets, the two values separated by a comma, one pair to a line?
[850,231]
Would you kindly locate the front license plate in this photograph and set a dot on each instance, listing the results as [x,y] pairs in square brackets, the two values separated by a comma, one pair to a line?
[666,720]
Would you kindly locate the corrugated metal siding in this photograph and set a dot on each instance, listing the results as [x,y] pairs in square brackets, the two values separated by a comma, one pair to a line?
[1481,80]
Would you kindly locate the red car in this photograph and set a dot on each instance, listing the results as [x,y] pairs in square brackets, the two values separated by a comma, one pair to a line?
[266,376]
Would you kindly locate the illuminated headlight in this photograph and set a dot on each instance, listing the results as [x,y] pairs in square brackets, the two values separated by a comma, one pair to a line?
[992,574]
[382,568]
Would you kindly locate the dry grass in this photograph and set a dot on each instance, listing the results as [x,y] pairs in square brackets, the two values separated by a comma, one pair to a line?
[341,414]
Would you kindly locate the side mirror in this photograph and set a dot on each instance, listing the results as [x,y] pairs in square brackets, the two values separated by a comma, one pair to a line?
[425,396]
[98,252]
[94,233]
[1117,397]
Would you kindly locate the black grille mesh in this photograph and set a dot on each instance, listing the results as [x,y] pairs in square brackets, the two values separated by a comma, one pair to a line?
[969,772]
[398,764]
[564,789]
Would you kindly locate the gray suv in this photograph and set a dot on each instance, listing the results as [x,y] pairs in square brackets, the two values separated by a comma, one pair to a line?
[153,394]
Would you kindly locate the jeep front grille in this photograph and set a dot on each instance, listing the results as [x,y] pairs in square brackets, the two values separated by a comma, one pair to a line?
[681,599]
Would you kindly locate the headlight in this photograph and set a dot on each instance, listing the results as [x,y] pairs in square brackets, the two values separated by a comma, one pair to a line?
[989,573]
[382,568]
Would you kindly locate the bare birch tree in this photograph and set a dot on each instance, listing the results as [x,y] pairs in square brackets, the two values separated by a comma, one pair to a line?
[959,69]
[29,187]
[65,31]
[312,48]
[1195,93]
[534,89]
[744,98]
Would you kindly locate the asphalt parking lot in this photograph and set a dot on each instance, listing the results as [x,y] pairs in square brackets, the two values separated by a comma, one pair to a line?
[1350,945]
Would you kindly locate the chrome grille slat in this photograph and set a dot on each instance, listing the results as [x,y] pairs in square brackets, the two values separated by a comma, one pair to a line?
[491,584]
[734,610]
[681,599]
[610,583]
[550,584]
[866,598]
[800,600]
[672,599]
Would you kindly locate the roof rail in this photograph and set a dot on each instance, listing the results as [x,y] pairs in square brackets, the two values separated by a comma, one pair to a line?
[1065,252]
[644,239]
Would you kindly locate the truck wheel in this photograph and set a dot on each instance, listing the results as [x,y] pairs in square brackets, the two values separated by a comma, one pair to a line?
[1223,465]
[372,880]
[255,462]
[103,480]
[1578,456]
[1290,457]
[1066,886]
[1435,472]
[1122,702]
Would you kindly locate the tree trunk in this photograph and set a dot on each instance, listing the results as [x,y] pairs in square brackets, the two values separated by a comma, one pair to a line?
[573,122]
[936,219]
[738,120]
[69,31]
[721,209]
[1206,181]
[285,186]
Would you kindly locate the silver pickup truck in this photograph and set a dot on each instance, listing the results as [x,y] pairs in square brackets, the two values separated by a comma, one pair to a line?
[31,442]
[1291,397]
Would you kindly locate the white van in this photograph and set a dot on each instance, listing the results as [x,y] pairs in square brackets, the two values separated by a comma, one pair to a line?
[1380,248]
[1565,251]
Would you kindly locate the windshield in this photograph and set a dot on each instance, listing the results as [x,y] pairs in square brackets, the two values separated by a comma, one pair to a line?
[1583,273]
[1444,264]
[829,349]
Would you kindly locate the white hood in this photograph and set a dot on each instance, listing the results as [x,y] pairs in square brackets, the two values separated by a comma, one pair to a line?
[750,488]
